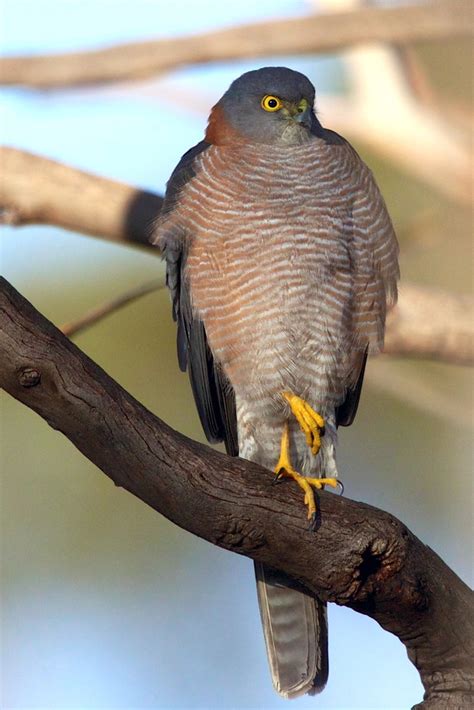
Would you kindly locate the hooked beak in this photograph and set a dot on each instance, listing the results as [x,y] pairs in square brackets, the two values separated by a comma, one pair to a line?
[303,117]
[300,113]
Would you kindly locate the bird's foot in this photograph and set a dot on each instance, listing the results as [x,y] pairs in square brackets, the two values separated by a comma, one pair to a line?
[311,423]
[307,485]
[284,469]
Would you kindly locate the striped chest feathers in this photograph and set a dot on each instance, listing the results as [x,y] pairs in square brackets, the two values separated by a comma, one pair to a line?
[281,214]
[265,233]
[250,198]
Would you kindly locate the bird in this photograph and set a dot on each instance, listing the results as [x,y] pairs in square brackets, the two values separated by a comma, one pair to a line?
[281,261]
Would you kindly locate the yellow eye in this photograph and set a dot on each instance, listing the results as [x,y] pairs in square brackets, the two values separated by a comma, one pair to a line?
[271,103]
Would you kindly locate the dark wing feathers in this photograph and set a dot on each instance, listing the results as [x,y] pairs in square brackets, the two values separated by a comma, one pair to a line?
[182,174]
[213,394]
[345,412]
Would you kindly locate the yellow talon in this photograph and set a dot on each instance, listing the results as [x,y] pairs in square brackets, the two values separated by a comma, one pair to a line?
[284,469]
[311,422]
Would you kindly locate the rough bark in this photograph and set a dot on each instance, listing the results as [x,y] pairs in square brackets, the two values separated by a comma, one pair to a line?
[318,33]
[360,557]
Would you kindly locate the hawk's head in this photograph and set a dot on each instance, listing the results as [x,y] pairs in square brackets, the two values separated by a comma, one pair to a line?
[273,105]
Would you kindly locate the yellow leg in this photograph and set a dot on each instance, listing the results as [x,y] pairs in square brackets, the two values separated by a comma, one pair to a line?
[311,422]
[284,469]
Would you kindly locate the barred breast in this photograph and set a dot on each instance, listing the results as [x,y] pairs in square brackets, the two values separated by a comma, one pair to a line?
[279,249]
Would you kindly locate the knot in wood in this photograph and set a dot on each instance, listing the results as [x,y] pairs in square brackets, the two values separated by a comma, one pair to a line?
[240,535]
[29,377]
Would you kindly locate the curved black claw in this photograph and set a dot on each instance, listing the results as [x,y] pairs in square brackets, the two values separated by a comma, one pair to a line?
[278,478]
[315,522]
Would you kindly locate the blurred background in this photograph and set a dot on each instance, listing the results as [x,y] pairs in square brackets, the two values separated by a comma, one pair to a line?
[104,603]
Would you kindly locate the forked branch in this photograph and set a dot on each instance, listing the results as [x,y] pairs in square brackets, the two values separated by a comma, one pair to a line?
[361,557]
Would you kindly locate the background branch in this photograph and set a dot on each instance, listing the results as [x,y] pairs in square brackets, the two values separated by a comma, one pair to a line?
[361,557]
[384,110]
[36,190]
[307,35]
[417,392]
[433,324]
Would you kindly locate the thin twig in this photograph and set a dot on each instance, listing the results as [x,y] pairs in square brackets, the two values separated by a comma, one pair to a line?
[97,314]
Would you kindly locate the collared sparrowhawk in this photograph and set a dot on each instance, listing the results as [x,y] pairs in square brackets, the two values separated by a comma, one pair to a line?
[281,262]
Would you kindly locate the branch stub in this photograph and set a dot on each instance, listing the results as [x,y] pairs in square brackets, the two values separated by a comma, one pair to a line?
[29,377]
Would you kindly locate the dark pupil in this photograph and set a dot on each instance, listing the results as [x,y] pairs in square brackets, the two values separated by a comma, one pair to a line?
[272,103]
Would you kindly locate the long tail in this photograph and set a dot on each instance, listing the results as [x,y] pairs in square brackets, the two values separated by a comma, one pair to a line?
[296,635]
[294,623]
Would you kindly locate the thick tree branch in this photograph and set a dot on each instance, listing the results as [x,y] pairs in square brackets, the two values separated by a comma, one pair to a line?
[427,323]
[361,557]
[305,35]
[35,190]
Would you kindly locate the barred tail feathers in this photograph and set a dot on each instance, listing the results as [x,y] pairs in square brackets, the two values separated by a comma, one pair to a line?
[296,637]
